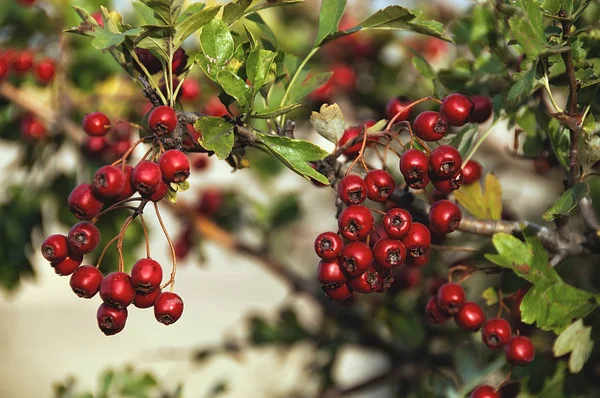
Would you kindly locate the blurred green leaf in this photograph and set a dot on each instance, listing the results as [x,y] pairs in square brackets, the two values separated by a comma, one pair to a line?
[285,210]
[308,86]
[576,339]
[166,11]
[329,18]
[524,83]
[567,202]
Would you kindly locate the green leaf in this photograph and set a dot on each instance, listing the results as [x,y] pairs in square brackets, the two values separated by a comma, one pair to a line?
[264,4]
[264,28]
[144,11]
[512,253]
[554,6]
[560,140]
[258,67]
[235,10]
[329,122]
[193,23]
[217,135]
[524,83]
[329,18]
[308,86]
[528,27]
[490,295]
[271,113]
[295,154]
[423,67]
[217,42]
[388,18]
[576,339]
[104,39]
[166,11]
[567,202]
[236,87]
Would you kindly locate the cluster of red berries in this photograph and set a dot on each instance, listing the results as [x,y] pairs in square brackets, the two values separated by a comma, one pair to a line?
[23,61]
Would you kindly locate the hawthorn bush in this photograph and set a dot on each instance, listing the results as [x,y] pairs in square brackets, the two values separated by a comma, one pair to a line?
[247,83]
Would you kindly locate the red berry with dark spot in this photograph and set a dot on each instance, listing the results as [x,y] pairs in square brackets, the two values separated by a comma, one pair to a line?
[83,238]
[472,172]
[83,203]
[45,70]
[470,318]
[482,108]
[450,298]
[355,222]
[380,185]
[456,108]
[116,290]
[128,188]
[356,258]
[330,274]
[433,314]
[397,223]
[85,281]
[108,181]
[484,392]
[190,89]
[398,106]
[150,62]
[168,308]
[448,185]
[55,248]
[146,177]
[352,190]
[444,161]
[339,293]
[96,124]
[389,253]
[32,129]
[369,282]
[162,120]
[417,261]
[146,300]
[67,265]
[414,165]
[496,333]
[22,61]
[146,275]
[111,320]
[328,246]
[519,351]
[418,240]
[430,126]
[444,216]
[175,166]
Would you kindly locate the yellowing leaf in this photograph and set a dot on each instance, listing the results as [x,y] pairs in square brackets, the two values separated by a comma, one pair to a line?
[492,197]
[471,198]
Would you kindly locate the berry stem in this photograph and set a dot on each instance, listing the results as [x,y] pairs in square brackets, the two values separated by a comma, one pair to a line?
[120,242]
[145,235]
[123,159]
[456,268]
[118,205]
[409,106]
[454,248]
[360,153]
[104,250]
[171,247]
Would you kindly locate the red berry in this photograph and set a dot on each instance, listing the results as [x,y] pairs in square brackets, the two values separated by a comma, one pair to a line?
[430,126]
[482,108]
[85,281]
[32,129]
[83,203]
[168,308]
[96,124]
[398,106]
[496,332]
[418,240]
[175,166]
[108,181]
[215,107]
[352,190]
[397,223]
[330,274]
[350,134]
[26,3]
[111,320]
[94,146]
[180,59]
[450,298]
[67,265]
[128,188]
[369,282]
[22,61]
[472,172]
[83,238]
[414,165]
[444,161]
[433,314]
[355,222]
[389,253]
[146,177]
[146,300]
[470,318]
[146,275]
[408,277]
[417,261]
[457,109]
[446,186]
[210,202]
[201,162]
[328,246]
[116,290]
[190,89]
[150,62]
[55,248]
[380,185]
[161,191]
[162,120]
[519,351]
[484,392]
[3,68]
[339,293]
[356,258]
[444,216]
[119,148]
[45,70]
[343,77]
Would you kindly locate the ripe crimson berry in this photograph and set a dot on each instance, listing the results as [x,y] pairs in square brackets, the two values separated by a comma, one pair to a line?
[210,201]
[369,282]
[111,320]
[55,248]
[328,246]
[180,59]
[407,278]
[168,308]
[45,70]
[150,62]
[519,351]
[67,265]
[355,222]
[417,261]
[444,161]
[146,300]
[349,134]
[352,190]
[146,275]
[108,181]
[94,146]
[433,314]
[450,298]
[472,172]
[85,281]
[389,253]
[83,238]
[3,68]
[190,89]
[128,188]
[116,290]
[482,108]
[161,191]
[343,77]
[413,166]
[457,109]
[32,129]
[22,61]
[418,240]
[470,318]
[201,162]
[448,185]
[356,258]
[484,391]
[397,223]
[96,124]
[175,166]
[398,106]
[330,274]
[496,332]
[339,293]
[380,185]
[430,126]
[444,216]
[162,120]
[83,203]
[146,177]
[119,147]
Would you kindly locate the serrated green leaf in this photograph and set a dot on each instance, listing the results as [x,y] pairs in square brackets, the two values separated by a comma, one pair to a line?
[576,339]
[308,86]
[235,86]
[527,27]
[217,135]
[329,18]
[193,23]
[258,68]
[217,42]
[567,202]
[523,85]
[329,122]
[269,114]
[490,295]
[514,252]
[388,18]
[235,10]
[492,197]
[166,11]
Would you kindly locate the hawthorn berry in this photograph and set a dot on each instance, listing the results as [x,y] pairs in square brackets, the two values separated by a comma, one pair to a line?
[210,201]
[368,282]
[32,129]
[116,290]
[201,162]
[161,191]
[146,300]
[444,216]
[433,314]
[96,124]
[111,320]
[470,318]
[418,240]
[389,253]
[471,172]
[430,126]
[355,222]
[448,185]
[417,261]
[414,165]
[146,177]
[149,60]
[128,188]
[397,223]
[482,108]
[67,265]
[168,308]
[108,181]
[456,108]
[380,185]
[339,293]
[450,298]
[351,133]
[444,161]
[22,61]
[190,89]
[55,248]
[146,275]
[330,274]
[180,59]
[175,166]
[162,120]
[356,258]
[484,391]
[83,203]
[3,68]
[519,351]
[45,70]
[496,332]
[328,246]
[85,281]
[83,238]
[94,146]
[352,190]
[398,106]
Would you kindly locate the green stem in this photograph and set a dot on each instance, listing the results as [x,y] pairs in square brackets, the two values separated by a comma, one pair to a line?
[480,141]
[546,84]
[294,80]
[170,82]
[149,76]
